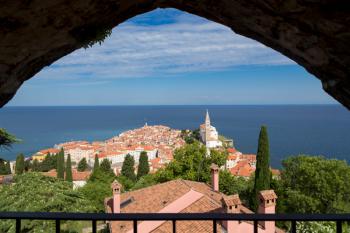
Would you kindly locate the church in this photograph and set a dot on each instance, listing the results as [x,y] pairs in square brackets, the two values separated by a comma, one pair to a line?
[209,135]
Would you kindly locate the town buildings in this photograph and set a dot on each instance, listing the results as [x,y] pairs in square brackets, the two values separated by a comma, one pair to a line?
[159,142]
[184,196]
[208,133]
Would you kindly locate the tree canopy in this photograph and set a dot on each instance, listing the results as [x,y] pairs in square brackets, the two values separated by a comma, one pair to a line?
[69,174]
[60,164]
[313,184]
[98,187]
[34,192]
[106,166]
[82,165]
[128,167]
[5,168]
[7,139]
[191,162]
[143,168]
[262,172]
[96,163]
[19,168]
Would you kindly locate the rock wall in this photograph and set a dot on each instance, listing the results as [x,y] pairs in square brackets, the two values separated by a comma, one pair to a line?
[314,33]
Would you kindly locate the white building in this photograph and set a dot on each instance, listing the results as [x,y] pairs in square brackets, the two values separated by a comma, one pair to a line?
[209,135]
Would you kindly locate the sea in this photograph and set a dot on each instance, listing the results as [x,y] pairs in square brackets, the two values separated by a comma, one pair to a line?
[292,129]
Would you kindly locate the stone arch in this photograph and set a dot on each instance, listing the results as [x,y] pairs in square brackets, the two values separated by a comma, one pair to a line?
[314,33]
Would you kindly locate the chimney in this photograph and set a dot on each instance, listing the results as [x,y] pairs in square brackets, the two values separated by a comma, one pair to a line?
[267,205]
[116,188]
[232,205]
[215,177]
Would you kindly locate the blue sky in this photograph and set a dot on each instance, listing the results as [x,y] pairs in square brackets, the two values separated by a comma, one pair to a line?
[172,57]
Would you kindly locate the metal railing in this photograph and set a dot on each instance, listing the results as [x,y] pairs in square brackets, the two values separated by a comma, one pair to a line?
[173,217]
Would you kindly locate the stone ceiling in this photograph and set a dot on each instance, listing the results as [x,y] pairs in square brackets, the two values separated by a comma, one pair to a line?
[313,33]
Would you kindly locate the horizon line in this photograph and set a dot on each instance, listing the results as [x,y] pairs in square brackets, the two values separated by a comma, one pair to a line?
[146,105]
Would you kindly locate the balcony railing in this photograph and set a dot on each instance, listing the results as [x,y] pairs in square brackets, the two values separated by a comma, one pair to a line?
[173,217]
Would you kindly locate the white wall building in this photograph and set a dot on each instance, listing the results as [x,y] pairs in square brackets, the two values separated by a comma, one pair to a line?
[209,135]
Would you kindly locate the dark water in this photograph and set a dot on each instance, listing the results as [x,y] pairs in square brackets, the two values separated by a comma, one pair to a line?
[316,130]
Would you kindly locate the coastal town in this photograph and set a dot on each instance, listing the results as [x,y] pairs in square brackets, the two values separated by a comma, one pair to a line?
[158,141]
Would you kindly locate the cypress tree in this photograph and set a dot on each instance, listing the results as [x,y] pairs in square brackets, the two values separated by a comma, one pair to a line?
[2,168]
[8,167]
[19,164]
[60,164]
[143,168]
[69,175]
[105,166]
[262,172]
[82,165]
[35,166]
[128,167]
[96,163]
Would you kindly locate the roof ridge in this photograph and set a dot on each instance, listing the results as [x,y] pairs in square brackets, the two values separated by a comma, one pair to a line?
[205,194]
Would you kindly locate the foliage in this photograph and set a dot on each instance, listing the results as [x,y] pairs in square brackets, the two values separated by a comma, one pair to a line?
[69,175]
[262,172]
[82,165]
[5,168]
[7,139]
[106,166]
[49,163]
[19,164]
[8,167]
[35,166]
[128,167]
[145,181]
[230,184]
[143,168]
[311,184]
[191,162]
[126,183]
[190,136]
[53,196]
[27,165]
[98,187]
[96,163]
[60,164]
[218,157]
[90,34]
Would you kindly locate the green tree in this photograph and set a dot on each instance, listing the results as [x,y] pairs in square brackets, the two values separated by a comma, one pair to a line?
[230,184]
[262,172]
[69,175]
[19,164]
[3,170]
[98,187]
[218,157]
[38,193]
[143,168]
[7,139]
[145,181]
[128,167]
[105,166]
[49,163]
[60,165]
[96,163]
[35,166]
[82,165]
[8,168]
[313,184]
[27,165]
